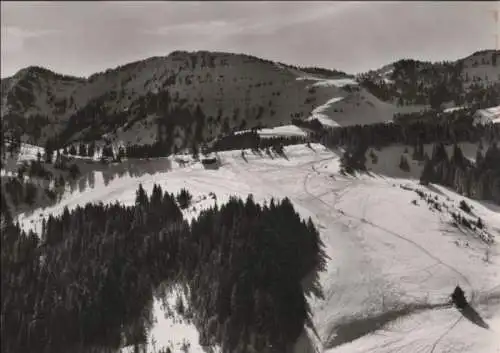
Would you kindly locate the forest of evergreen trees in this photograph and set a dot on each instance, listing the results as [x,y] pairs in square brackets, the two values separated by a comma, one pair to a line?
[384,134]
[425,83]
[251,139]
[89,281]
[480,180]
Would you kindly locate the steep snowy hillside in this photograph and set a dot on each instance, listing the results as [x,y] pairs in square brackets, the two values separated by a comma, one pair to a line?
[395,257]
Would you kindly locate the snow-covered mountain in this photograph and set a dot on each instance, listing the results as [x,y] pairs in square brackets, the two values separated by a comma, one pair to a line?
[230,92]
[474,79]
[395,253]
[239,91]
[396,249]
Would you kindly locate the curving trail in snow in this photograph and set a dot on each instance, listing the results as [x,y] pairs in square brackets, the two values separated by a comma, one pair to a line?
[418,247]
[392,264]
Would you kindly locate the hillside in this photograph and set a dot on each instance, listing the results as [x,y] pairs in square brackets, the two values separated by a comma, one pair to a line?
[222,203]
[471,81]
[188,98]
[385,286]
[230,91]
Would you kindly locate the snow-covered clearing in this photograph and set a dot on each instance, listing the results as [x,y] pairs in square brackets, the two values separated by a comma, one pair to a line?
[452,109]
[488,115]
[393,262]
[284,130]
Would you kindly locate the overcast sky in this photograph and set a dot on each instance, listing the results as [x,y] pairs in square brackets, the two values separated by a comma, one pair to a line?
[80,38]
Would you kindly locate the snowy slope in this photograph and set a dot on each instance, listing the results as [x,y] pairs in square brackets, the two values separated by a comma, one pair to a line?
[392,263]
[488,115]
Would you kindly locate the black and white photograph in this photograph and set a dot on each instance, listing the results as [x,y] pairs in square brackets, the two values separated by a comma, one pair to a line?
[250,177]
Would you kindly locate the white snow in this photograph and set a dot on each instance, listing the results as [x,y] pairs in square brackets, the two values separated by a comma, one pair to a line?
[385,252]
[320,112]
[284,130]
[170,329]
[322,82]
[341,82]
[488,115]
[453,109]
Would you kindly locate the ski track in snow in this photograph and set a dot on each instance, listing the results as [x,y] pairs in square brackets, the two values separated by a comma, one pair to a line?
[369,260]
[402,237]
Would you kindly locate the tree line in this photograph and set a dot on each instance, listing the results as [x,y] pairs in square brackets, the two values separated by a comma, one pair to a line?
[384,134]
[478,180]
[88,282]
[251,139]
[413,82]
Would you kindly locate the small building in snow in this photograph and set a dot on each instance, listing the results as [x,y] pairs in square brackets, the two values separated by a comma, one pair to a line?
[210,161]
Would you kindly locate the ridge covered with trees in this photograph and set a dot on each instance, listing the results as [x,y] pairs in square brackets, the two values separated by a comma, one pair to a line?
[413,82]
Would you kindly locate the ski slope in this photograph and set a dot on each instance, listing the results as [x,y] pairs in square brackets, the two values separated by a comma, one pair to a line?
[394,260]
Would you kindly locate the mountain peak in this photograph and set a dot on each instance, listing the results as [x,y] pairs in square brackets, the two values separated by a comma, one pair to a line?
[38,71]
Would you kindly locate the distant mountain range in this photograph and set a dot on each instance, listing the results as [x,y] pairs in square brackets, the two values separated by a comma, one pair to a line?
[198,96]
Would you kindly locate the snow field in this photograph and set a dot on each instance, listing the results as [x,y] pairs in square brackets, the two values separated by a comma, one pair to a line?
[392,267]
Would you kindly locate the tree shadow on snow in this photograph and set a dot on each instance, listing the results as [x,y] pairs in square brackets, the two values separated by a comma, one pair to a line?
[358,327]
[283,154]
[489,205]
[473,316]
[435,190]
[310,147]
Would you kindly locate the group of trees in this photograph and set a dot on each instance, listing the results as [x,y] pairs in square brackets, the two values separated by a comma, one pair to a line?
[463,114]
[480,180]
[155,150]
[252,140]
[10,144]
[89,281]
[424,83]
[41,181]
[244,271]
[421,132]
[20,191]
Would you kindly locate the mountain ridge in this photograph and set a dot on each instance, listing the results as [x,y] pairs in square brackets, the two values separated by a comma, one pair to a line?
[476,53]
[232,92]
